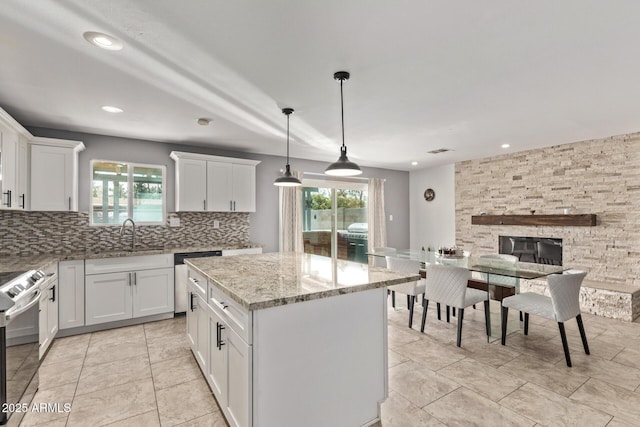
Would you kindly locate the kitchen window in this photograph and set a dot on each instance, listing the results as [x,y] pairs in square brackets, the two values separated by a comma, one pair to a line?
[334,219]
[121,190]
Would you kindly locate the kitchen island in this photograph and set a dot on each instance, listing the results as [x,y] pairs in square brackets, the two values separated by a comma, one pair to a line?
[288,339]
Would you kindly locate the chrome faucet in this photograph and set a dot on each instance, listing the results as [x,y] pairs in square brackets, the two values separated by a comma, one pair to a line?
[133,232]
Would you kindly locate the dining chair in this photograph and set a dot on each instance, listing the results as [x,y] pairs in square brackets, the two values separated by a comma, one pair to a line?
[562,305]
[498,260]
[447,284]
[380,261]
[411,289]
[549,253]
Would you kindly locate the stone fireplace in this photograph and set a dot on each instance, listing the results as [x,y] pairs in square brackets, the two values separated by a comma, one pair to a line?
[540,250]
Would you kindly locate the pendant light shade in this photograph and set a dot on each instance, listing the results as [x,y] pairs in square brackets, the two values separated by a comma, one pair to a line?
[287,180]
[343,166]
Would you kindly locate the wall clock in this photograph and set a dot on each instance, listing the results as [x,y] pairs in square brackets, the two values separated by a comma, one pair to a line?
[429,194]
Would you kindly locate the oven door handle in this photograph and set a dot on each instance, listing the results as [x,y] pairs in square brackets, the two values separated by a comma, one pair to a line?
[12,314]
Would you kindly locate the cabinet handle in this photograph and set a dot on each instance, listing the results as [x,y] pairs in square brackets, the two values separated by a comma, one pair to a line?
[219,328]
[128,279]
[69,203]
[223,305]
[204,205]
[230,205]
[8,193]
[23,205]
[53,290]
[135,279]
[191,295]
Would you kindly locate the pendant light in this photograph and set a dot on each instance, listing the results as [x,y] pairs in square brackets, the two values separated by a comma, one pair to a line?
[343,166]
[287,180]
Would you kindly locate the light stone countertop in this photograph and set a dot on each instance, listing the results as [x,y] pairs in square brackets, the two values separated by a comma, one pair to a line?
[41,261]
[274,279]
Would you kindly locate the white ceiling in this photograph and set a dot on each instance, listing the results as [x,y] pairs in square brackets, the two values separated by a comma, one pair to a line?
[466,75]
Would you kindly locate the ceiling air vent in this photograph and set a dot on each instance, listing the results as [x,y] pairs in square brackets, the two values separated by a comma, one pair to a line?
[439,150]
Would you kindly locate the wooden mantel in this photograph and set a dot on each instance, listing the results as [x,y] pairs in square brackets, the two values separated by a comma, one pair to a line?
[583,220]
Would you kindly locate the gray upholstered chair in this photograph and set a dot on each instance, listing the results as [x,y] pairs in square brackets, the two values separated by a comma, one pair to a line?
[411,289]
[447,284]
[562,305]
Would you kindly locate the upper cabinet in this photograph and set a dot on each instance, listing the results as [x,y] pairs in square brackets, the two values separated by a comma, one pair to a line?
[213,183]
[54,174]
[13,163]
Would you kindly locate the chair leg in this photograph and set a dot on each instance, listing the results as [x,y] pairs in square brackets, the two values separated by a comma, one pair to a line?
[408,302]
[393,299]
[460,317]
[487,317]
[474,306]
[453,311]
[505,318]
[448,317]
[425,304]
[438,307]
[526,323]
[565,345]
[521,316]
[582,333]
[412,301]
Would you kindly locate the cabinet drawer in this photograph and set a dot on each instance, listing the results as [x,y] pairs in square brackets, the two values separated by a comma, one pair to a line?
[128,263]
[231,312]
[199,282]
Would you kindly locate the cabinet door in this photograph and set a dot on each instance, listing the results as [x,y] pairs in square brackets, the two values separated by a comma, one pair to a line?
[219,186]
[71,290]
[244,188]
[217,375]
[191,183]
[238,399]
[8,169]
[52,310]
[52,178]
[108,297]
[22,185]
[192,319]
[153,292]
[43,317]
[202,341]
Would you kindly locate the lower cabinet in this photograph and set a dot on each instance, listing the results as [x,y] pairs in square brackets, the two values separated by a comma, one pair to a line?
[223,355]
[112,295]
[48,315]
[71,290]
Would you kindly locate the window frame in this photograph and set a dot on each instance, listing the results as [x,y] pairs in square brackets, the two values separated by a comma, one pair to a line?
[130,181]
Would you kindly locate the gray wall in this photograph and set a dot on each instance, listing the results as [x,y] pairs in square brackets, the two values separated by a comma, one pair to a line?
[264,222]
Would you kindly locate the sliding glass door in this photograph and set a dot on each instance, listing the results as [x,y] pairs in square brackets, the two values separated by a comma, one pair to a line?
[334,217]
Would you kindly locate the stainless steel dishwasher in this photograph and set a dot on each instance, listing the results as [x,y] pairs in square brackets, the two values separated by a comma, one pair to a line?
[181,276]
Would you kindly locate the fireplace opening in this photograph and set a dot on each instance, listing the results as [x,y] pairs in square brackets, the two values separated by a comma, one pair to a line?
[540,250]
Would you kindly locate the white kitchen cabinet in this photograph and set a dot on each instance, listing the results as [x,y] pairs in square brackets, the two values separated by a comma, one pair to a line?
[108,298]
[128,287]
[48,316]
[71,290]
[191,185]
[227,184]
[244,251]
[13,168]
[239,379]
[217,374]
[54,174]
[202,334]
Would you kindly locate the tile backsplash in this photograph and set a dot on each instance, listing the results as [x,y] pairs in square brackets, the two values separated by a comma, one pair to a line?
[25,233]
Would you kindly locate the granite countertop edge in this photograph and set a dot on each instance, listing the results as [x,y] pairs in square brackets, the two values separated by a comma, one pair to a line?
[292,299]
[42,261]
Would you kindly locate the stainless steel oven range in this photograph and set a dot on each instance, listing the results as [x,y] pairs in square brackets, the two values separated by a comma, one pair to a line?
[19,337]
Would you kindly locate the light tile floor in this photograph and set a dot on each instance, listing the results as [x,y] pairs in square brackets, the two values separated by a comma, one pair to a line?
[146,376]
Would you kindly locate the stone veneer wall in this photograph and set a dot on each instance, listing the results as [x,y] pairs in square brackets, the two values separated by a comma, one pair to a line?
[599,177]
[25,233]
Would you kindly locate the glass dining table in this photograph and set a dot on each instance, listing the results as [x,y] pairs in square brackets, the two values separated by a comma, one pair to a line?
[493,272]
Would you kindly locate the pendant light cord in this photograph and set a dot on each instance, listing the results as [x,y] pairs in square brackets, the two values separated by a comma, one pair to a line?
[287,139]
[342,110]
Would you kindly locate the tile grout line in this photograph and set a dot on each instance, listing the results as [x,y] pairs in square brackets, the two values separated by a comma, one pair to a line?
[153,381]
[84,358]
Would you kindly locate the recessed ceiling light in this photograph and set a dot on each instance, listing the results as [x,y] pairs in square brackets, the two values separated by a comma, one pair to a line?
[203,121]
[414,163]
[111,109]
[505,146]
[103,41]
